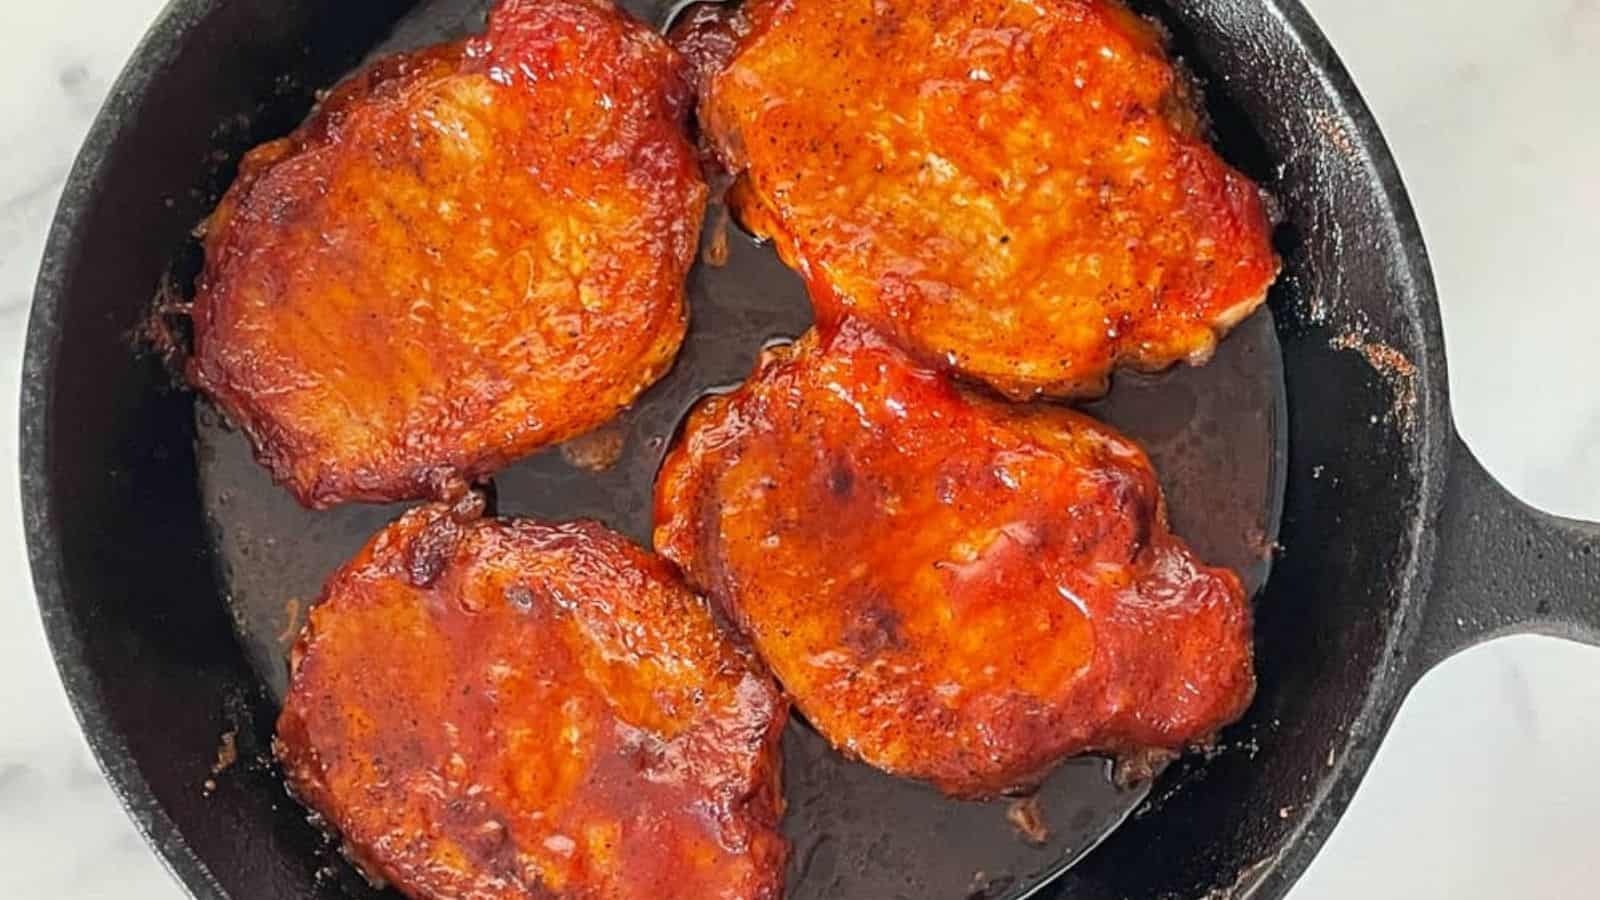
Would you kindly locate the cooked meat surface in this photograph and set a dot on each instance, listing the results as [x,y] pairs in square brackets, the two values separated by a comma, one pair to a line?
[464,255]
[1019,191]
[496,709]
[949,587]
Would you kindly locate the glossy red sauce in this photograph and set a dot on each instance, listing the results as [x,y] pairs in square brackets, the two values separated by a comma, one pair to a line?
[950,588]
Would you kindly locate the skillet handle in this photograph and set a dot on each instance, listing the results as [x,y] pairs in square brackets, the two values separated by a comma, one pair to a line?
[1504,567]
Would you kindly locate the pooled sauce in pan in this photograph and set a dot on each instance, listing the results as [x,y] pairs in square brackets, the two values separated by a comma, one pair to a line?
[1215,435]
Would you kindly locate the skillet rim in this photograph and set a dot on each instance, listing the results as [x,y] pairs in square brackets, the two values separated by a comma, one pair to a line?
[157,49]
[1428,455]
[1429,451]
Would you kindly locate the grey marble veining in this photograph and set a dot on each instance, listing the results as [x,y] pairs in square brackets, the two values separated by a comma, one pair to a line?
[1485,788]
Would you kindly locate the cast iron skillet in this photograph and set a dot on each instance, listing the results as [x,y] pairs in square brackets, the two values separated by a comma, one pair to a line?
[165,563]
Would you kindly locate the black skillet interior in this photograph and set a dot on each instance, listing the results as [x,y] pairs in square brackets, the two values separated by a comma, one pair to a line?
[148,512]
[1215,434]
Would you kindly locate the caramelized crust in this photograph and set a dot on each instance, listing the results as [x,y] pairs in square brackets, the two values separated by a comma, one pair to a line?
[1011,189]
[950,588]
[505,709]
[465,254]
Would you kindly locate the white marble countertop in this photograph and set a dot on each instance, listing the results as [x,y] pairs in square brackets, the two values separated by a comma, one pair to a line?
[1486,787]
